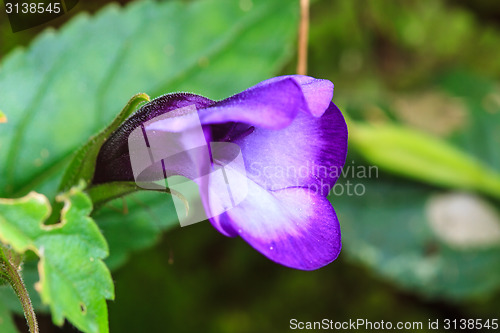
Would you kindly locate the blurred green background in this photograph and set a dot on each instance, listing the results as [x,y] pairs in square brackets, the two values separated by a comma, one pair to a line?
[429,66]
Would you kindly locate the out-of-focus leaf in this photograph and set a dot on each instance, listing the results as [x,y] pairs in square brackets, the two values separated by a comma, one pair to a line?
[75,81]
[74,281]
[30,277]
[82,165]
[102,193]
[481,135]
[467,158]
[69,84]
[420,156]
[135,222]
[3,118]
[6,322]
[392,235]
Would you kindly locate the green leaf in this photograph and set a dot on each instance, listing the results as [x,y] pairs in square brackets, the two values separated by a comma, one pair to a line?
[30,276]
[75,81]
[82,165]
[7,324]
[74,281]
[393,234]
[102,193]
[481,135]
[420,156]
[135,222]
[68,85]
[10,271]
[466,158]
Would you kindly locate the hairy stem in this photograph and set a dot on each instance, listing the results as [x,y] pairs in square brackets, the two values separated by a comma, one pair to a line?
[303,37]
[9,271]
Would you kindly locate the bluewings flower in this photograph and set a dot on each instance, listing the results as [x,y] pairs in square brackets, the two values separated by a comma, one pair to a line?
[293,140]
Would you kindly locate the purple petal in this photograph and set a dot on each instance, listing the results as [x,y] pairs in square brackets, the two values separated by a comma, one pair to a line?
[309,152]
[318,93]
[273,106]
[294,227]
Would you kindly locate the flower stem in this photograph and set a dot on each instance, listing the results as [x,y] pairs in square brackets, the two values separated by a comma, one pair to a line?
[303,37]
[8,270]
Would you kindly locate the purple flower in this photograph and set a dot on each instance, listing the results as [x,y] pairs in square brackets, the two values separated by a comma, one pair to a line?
[293,140]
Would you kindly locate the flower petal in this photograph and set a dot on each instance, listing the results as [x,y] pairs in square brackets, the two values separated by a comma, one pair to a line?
[309,153]
[293,227]
[318,93]
[273,106]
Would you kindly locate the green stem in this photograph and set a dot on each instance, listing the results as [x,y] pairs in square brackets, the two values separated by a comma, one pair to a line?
[11,274]
[103,193]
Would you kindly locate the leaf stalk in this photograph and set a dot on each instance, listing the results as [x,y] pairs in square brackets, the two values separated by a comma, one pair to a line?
[9,271]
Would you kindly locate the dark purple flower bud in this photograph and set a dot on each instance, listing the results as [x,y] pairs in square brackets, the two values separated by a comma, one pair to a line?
[293,141]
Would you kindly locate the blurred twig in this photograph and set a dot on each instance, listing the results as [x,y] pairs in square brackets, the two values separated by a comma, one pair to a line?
[303,37]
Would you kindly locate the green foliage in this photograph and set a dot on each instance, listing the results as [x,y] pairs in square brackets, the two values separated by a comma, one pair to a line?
[73,82]
[76,80]
[30,276]
[392,235]
[124,56]
[74,281]
[135,222]
[6,323]
[402,150]
[480,137]
[82,165]
[417,80]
